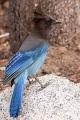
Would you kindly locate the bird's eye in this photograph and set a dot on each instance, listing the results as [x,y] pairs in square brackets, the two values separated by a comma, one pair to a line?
[48,22]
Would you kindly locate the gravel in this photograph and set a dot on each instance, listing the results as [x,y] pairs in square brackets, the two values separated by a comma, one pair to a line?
[60,100]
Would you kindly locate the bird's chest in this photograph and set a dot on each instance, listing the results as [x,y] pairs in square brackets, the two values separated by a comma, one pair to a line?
[37,64]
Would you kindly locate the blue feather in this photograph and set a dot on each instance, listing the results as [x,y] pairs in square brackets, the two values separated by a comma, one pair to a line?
[22,65]
[16,99]
[26,59]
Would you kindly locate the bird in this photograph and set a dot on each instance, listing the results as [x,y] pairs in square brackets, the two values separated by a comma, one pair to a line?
[28,59]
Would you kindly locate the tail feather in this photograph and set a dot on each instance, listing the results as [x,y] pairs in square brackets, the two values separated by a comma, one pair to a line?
[16,99]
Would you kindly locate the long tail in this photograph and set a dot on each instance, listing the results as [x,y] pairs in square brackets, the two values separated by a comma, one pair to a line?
[16,99]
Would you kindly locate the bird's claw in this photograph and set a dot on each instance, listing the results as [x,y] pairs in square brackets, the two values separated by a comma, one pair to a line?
[44,86]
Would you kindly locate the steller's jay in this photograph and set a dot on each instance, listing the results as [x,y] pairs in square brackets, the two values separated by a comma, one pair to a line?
[28,59]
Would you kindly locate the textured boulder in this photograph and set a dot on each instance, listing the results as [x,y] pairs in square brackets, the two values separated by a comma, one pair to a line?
[60,100]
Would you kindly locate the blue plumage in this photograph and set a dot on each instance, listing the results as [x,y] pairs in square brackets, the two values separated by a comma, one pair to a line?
[22,65]
[16,99]
[29,58]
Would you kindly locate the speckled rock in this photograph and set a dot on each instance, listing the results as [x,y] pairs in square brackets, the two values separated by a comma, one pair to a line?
[60,100]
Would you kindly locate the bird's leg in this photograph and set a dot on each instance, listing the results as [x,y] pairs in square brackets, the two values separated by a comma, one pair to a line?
[42,86]
[29,80]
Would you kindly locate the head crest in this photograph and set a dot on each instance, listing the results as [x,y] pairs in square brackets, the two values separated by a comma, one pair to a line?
[40,15]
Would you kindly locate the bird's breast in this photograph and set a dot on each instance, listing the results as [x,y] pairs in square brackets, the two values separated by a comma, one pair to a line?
[37,64]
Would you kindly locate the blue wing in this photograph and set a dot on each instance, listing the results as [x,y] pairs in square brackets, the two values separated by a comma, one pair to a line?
[22,60]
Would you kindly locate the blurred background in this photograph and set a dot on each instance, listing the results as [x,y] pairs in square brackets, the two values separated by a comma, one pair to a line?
[63,57]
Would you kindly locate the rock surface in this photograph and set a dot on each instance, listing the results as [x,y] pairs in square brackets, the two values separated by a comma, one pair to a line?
[60,100]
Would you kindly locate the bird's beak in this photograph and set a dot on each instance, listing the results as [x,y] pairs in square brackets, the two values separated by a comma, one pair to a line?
[56,22]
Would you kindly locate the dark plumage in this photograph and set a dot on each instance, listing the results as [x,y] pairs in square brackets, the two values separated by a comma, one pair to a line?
[28,59]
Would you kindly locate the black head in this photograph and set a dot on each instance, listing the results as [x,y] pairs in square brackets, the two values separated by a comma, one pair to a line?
[43,21]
